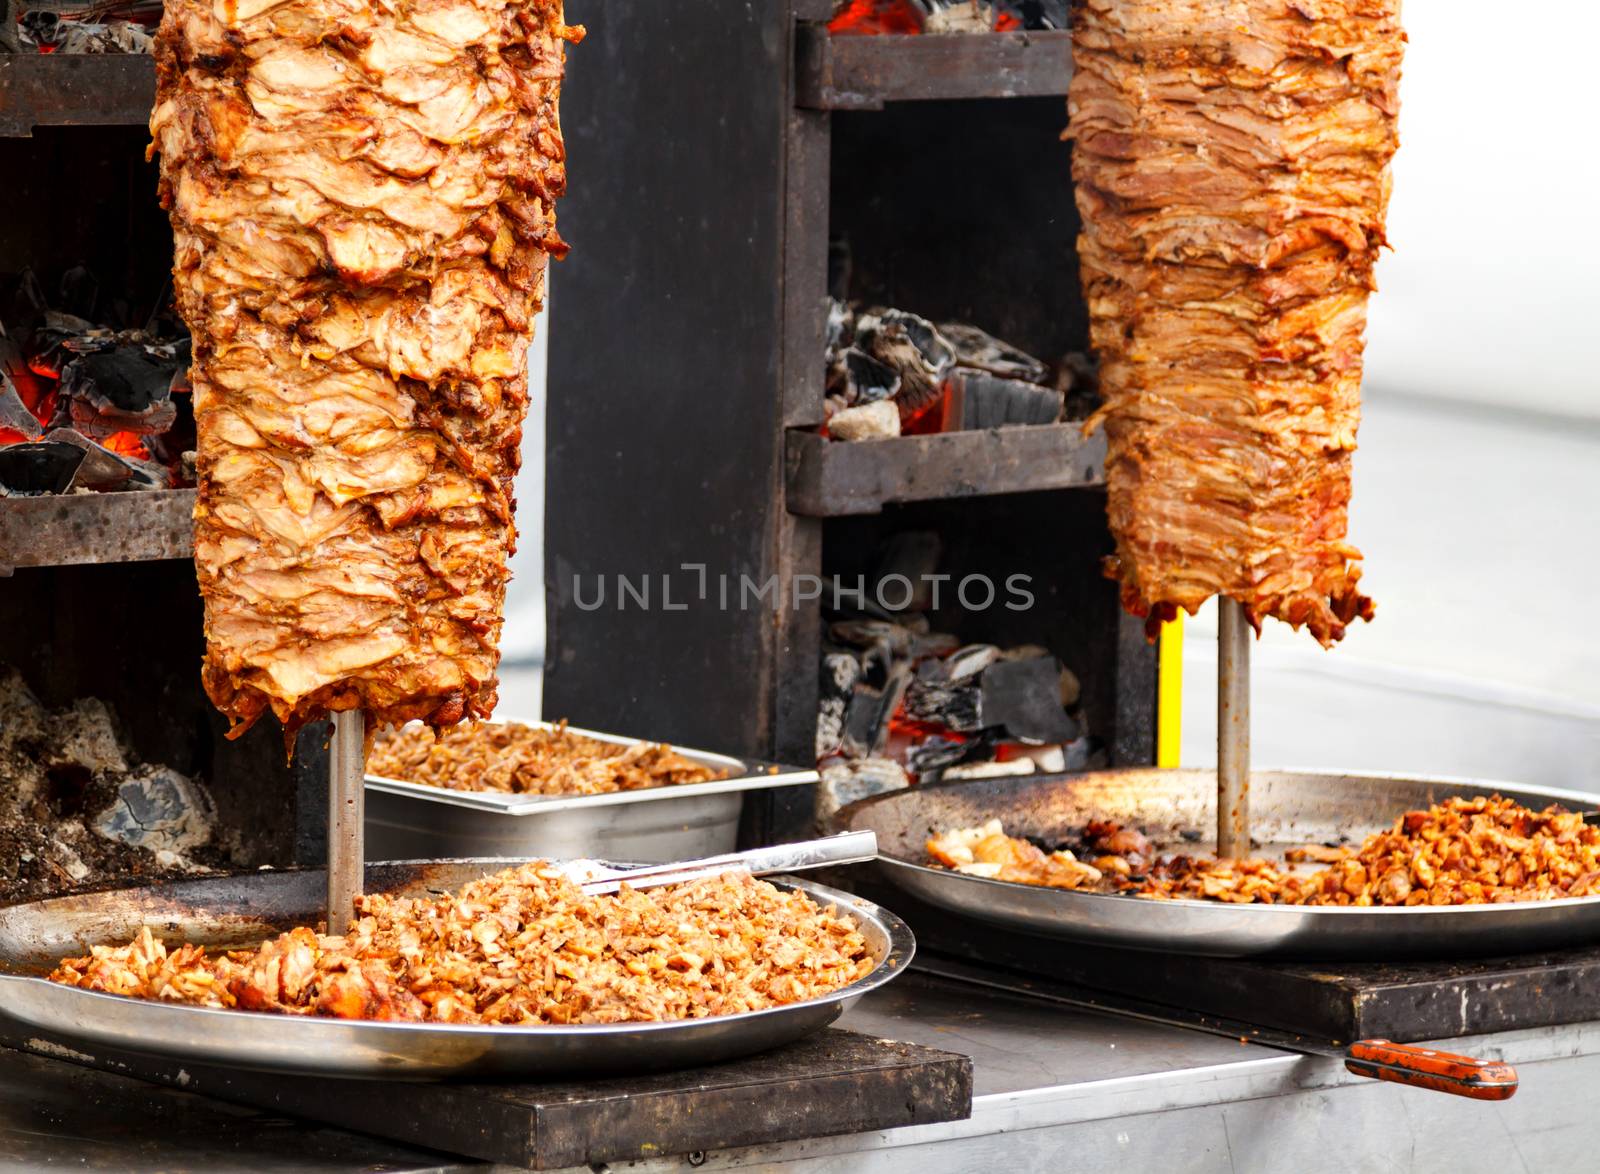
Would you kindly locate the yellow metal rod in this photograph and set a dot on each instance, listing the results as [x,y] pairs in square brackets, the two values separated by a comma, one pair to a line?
[1169,693]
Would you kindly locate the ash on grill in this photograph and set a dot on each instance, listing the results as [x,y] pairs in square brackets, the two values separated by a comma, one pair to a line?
[78,810]
[901,703]
[61,26]
[87,407]
[891,373]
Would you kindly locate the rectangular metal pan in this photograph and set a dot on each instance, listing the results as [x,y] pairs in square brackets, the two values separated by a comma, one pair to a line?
[411,821]
[232,910]
[1288,808]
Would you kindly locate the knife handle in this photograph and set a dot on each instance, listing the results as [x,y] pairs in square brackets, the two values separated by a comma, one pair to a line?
[1462,1076]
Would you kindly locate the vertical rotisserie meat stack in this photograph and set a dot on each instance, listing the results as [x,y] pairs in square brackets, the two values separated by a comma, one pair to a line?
[362,197]
[1231,162]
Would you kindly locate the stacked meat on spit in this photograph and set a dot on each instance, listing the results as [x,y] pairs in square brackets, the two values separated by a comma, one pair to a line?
[363,202]
[1232,175]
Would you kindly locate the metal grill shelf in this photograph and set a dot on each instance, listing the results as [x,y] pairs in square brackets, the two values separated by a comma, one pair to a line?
[88,89]
[862,73]
[75,528]
[828,479]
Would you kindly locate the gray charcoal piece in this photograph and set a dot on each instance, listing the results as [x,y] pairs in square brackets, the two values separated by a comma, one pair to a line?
[865,633]
[861,721]
[846,782]
[935,753]
[1024,696]
[959,707]
[982,351]
[934,644]
[158,809]
[990,402]
[970,661]
[840,672]
[83,735]
[830,726]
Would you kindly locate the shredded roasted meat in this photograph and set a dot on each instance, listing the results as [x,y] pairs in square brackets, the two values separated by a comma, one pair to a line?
[524,946]
[1459,852]
[1232,177]
[526,760]
[363,202]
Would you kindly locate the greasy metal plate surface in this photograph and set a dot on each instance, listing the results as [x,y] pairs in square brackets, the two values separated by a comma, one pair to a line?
[1287,808]
[743,775]
[232,910]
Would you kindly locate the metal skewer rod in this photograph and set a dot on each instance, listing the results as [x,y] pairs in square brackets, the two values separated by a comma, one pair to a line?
[1233,729]
[347,770]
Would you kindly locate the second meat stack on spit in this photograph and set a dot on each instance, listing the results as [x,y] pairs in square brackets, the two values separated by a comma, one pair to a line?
[1232,175]
[363,203]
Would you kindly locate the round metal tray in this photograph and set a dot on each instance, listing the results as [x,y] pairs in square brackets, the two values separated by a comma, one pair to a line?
[1287,808]
[232,910]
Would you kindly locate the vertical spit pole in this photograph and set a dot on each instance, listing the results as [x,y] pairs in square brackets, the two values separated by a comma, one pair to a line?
[347,769]
[1233,730]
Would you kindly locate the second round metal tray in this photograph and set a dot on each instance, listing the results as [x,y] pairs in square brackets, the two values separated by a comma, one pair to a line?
[1288,808]
[231,910]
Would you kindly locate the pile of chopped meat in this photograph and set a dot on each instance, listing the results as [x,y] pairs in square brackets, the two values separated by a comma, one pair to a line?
[1232,169]
[528,760]
[363,204]
[521,947]
[1459,852]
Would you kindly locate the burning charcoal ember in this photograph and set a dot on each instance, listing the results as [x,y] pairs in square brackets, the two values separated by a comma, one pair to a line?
[1024,696]
[958,707]
[1035,14]
[841,671]
[103,470]
[14,414]
[988,770]
[845,781]
[106,393]
[980,351]
[857,378]
[932,755]
[37,467]
[989,402]
[879,421]
[869,17]
[869,712]
[121,389]
[913,348]
[157,809]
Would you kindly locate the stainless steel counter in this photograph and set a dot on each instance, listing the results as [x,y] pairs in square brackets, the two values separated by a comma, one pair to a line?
[1055,1089]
